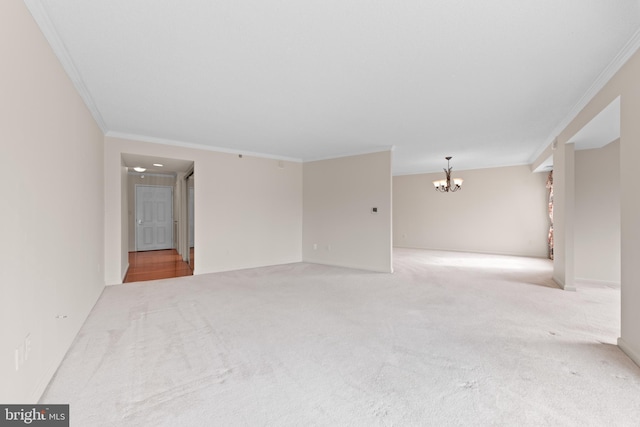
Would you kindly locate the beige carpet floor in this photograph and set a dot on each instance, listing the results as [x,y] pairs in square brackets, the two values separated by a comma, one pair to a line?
[449,339]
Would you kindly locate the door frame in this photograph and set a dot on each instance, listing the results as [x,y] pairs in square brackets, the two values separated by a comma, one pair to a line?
[186,248]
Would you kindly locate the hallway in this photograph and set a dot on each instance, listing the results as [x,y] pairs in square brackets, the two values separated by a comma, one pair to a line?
[153,265]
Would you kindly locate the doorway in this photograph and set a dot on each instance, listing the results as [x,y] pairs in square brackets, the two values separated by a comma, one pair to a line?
[157,204]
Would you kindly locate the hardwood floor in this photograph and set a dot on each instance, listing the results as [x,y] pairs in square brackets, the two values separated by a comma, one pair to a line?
[152,265]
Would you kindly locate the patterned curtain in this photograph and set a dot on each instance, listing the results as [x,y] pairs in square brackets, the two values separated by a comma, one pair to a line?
[550,236]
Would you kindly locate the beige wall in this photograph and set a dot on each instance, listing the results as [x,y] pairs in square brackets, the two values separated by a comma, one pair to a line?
[338,197]
[52,215]
[248,211]
[149,179]
[499,210]
[597,214]
[626,84]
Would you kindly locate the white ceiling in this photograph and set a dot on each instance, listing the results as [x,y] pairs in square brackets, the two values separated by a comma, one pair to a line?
[490,82]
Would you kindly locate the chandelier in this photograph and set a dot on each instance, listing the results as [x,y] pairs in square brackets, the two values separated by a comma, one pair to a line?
[444,185]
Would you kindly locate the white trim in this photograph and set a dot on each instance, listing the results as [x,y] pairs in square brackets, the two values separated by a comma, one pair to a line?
[124,276]
[626,348]
[562,285]
[195,146]
[50,33]
[349,265]
[45,379]
[352,153]
[462,170]
[468,251]
[608,283]
[607,74]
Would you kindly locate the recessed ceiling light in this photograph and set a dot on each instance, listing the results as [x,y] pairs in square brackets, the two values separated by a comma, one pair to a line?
[158,165]
[139,169]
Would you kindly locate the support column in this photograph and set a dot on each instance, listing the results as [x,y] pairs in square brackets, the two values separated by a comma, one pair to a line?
[563,215]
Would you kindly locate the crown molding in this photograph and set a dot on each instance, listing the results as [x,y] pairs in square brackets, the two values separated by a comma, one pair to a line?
[607,74]
[40,15]
[353,153]
[175,143]
[163,141]
[428,172]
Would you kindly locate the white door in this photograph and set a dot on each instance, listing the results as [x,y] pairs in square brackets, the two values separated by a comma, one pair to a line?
[154,217]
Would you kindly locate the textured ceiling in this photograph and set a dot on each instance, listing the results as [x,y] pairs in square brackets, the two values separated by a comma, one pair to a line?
[488,82]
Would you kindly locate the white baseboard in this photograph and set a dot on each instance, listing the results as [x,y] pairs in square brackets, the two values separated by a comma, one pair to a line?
[473,251]
[347,265]
[43,382]
[608,283]
[633,354]
[562,285]
[124,276]
[50,371]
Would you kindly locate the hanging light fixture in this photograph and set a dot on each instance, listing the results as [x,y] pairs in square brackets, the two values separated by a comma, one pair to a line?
[444,185]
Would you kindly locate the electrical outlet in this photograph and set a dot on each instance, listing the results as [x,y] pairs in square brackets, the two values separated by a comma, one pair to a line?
[315,246]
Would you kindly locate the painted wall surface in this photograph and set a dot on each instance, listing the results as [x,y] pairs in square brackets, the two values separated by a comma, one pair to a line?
[597,214]
[248,211]
[338,197]
[136,179]
[498,210]
[626,84]
[51,223]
